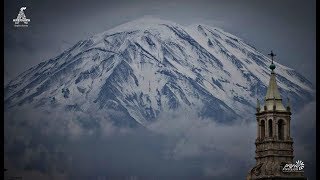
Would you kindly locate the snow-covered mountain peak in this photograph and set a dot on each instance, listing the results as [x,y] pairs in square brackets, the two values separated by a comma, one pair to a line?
[140,24]
[149,66]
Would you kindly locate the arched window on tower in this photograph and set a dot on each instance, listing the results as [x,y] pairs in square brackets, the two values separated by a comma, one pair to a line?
[262,130]
[270,127]
[281,129]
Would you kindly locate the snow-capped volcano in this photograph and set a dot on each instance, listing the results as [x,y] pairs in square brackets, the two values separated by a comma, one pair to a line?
[149,66]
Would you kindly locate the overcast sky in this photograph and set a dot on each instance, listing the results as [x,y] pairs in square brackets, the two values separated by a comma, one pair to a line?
[287,27]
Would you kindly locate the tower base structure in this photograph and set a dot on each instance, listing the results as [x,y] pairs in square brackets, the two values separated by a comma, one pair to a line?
[273,171]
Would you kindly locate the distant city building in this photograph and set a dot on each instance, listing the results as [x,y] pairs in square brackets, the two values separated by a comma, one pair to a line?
[274,150]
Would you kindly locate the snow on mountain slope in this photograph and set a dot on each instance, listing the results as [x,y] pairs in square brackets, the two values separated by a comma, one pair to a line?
[149,66]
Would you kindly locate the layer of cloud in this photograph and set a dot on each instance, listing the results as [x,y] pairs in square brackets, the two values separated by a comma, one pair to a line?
[303,130]
[178,144]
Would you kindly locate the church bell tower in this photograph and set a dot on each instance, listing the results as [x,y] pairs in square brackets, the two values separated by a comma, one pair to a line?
[273,143]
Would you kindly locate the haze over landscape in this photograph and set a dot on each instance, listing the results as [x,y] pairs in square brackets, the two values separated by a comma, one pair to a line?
[147,98]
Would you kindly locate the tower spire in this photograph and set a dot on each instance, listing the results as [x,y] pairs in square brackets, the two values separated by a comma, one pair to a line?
[273,98]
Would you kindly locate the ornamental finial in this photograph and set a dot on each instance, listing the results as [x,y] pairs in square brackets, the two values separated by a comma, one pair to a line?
[288,104]
[272,66]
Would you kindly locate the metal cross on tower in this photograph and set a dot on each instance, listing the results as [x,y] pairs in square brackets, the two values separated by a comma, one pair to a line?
[272,55]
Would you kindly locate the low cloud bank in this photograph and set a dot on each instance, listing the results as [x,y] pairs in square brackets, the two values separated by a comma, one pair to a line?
[180,144]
